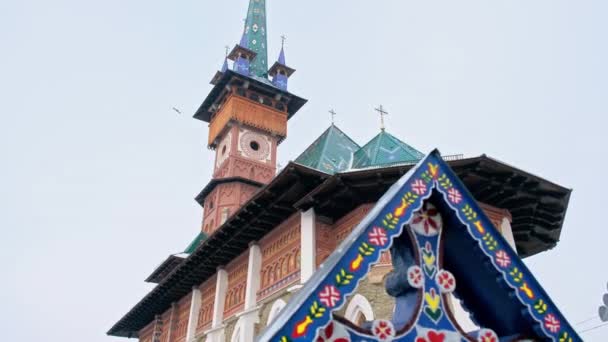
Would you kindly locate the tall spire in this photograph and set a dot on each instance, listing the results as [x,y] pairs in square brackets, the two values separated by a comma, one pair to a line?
[255,33]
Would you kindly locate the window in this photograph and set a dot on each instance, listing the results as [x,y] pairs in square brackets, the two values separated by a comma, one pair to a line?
[225,214]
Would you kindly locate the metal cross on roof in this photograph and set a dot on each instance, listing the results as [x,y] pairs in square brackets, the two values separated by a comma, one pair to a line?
[382,114]
[283,39]
[333,114]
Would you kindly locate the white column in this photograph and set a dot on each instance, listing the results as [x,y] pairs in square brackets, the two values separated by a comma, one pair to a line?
[507,232]
[254,269]
[308,252]
[195,308]
[250,317]
[216,333]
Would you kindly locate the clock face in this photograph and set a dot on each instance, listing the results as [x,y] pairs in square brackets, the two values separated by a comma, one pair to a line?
[223,150]
[254,145]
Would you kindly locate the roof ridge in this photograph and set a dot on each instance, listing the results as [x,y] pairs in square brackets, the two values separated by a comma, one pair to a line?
[346,135]
[324,147]
[313,145]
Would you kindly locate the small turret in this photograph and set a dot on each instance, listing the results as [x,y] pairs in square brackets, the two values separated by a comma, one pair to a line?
[242,56]
[279,71]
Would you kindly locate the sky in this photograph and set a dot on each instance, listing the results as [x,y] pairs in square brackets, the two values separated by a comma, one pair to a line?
[98,175]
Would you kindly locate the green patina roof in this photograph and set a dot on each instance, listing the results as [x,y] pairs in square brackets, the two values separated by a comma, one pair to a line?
[255,28]
[330,153]
[195,243]
[385,149]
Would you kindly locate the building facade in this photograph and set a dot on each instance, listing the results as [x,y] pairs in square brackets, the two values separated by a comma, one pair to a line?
[264,234]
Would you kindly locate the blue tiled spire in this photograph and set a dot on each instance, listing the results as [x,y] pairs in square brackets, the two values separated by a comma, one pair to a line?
[280,72]
[282,55]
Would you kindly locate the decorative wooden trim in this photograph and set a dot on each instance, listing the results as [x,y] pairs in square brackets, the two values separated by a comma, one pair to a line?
[237,281]
[280,257]
[205,317]
[248,112]
[326,243]
[345,225]
[180,326]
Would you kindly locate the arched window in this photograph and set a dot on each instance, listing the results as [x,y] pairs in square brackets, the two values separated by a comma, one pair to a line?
[284,270]
[290,264]
[276,308]
[359,310]
[298,259]
[236,335]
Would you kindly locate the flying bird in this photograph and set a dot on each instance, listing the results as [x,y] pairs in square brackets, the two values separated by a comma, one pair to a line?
[177,110]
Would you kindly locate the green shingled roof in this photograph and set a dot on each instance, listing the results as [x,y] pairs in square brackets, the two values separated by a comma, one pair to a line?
[330,153]
[384,149]
[195,243]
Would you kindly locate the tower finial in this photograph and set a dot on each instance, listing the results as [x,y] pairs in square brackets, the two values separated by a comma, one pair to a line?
[333,114]
[382,114]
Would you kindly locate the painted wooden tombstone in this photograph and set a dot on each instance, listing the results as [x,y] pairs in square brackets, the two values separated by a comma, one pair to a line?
[441,243]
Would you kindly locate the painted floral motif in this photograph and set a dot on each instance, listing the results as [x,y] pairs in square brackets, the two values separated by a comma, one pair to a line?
[377,237]
[432,336]
[454,196]
[433,305]
[427,222]
[329,296]
[383,330]
[487,335]
[503,259]
[552,323]
[419,187]
[446,281]
[428,258]
[415,277]
[540,306]
[333,333]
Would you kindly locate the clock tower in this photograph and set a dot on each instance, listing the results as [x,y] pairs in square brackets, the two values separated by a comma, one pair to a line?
[247,115]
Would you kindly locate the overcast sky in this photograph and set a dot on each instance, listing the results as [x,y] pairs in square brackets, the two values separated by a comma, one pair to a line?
[98,173]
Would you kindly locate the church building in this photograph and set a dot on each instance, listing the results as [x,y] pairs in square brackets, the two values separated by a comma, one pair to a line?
[372,241]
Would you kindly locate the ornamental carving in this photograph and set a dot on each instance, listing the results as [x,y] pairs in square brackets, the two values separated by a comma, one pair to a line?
[226,193]
[223,151]
[252,170]
[237,282]
[345,225]
[205,316]
[280,257]
[248,112]
[325,242]
[255,146]
[181,319]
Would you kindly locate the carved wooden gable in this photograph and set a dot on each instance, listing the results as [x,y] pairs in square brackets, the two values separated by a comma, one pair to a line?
[441,243]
